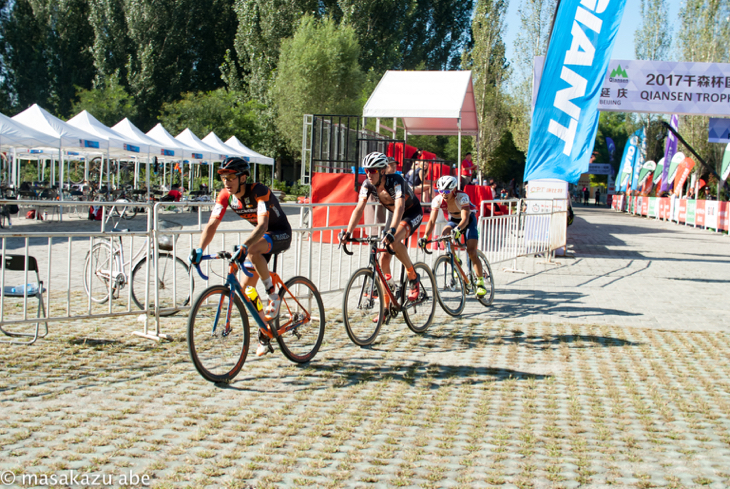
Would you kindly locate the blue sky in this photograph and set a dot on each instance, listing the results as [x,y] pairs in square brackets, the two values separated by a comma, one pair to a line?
[624,47]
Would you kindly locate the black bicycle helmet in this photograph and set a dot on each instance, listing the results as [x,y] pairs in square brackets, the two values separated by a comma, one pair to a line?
[234,164]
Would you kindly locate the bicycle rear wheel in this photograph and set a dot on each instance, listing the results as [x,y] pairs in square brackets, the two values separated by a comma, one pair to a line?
[169,269]
[218,334]
[450,285]
[419,313]
[126,209]
[488,280]
[362,307]
[302,311]
[99,267]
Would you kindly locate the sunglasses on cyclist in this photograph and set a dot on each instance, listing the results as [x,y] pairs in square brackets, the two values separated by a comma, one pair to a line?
[371,171]
[445,191]
[228,177]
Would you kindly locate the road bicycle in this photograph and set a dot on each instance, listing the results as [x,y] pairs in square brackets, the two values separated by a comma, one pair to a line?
[453,284]
[218,325]
[364,312]
[105,273]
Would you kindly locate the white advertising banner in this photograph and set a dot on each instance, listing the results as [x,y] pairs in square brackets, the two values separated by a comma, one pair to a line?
[711,209]
[662,87]
[540,195]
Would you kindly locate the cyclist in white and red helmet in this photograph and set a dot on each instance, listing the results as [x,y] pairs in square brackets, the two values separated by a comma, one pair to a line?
[461,214]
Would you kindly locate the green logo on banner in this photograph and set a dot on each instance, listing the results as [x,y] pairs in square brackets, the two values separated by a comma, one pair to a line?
[619,72]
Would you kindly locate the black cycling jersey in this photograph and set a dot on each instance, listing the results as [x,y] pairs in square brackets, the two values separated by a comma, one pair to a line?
[257,201]
[396,187]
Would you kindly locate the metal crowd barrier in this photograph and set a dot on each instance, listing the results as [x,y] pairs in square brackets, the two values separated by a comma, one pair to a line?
[67,262]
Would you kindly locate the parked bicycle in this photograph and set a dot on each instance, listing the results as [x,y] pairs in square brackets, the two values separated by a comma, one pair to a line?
[105,273]
[218,325]
[453,283]
[363,310]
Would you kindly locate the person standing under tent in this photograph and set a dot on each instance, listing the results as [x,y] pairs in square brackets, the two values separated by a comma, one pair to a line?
[467,170]
[598,195]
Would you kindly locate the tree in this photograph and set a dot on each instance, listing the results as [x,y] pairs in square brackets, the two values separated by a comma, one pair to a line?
[703,36]
[653,37]
[107,101]
[536,18]
[508,161]
[111,47]
[45,51]
[224,112]
[490,68]
[318,73]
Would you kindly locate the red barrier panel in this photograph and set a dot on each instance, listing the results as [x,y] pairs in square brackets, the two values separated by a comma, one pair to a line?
[723,215]
[700,213]
[479,193]
[682,214]
[644,206]
[664,208]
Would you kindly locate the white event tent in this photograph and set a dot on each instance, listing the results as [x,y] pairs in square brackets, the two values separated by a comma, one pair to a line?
[250,155]
[439,103]
[183,152]
[188,137]
[119,145]
[68,135]
[214,141]
[132,132]
[15,135]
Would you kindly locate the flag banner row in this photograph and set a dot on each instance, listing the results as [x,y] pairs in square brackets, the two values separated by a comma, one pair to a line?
[709,214]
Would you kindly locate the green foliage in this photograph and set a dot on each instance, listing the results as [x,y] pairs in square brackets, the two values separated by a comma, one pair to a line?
[508,161]
[318,73]
[45,53]
[653,38]
[490,69]
[227,113]
[299,190]
[107,101]
[280,185]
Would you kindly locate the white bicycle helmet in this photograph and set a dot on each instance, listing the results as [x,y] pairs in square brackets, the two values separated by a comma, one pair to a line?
[446,182]
[375,160]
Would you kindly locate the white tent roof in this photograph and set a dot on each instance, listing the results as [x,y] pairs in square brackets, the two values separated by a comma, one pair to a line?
[252,155]
[182,150]
[70,136]
[188,137]
[118,143]
[214,141]
[129,130]
[428,102]
[15,134]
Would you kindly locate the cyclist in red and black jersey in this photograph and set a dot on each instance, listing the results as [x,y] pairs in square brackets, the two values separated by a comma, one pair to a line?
[397,196]
[255,203]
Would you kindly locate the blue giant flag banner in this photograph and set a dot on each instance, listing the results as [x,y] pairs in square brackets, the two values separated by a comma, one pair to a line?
[626,169]
[669,153]
[640,158]
[565,118]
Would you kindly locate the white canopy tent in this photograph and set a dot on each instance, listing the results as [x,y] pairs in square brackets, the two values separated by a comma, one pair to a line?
[119,145]
[15,135]
[188,137]
[68,135]
[438,103]
[214,141]
[183,152]
[129,130]
[250,155]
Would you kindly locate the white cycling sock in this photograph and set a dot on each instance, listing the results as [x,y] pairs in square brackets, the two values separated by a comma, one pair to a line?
[268,283]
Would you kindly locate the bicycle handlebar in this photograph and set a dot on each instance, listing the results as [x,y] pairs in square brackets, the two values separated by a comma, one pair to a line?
[447,237]
[369,240]
[226,255]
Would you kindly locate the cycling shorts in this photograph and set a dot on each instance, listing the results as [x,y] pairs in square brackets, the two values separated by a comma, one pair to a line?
[471,231]
[412,217]
[278,241]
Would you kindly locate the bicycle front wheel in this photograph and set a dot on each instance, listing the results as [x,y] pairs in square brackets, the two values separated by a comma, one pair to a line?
[173,283]
[126,209]
[218,334]
[99,267]
[419,313]
[362,307]
[302,314]
[488,279]
[450,286]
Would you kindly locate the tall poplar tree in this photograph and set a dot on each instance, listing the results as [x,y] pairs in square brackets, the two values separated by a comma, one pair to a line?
[489,70]
[703,36]
[653,37]
[536,18]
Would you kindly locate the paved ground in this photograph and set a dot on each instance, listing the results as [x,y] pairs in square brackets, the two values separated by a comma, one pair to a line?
[610,370]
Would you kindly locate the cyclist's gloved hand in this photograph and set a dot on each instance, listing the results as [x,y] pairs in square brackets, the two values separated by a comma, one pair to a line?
[240,251]
[343,237]
[195,256]
[456,234]
[422,243]
[389,236]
